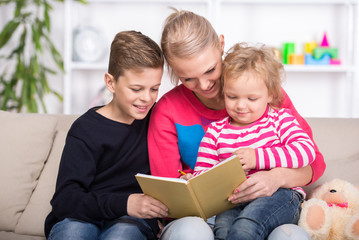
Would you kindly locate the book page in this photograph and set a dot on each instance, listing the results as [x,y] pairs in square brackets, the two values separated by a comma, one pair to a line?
[213,187]
[162,178]
[173,192]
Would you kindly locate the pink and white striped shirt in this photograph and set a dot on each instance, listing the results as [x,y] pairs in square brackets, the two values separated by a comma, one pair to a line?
[277,138]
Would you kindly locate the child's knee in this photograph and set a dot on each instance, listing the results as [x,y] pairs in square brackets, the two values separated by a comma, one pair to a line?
[288,231]
[188,228]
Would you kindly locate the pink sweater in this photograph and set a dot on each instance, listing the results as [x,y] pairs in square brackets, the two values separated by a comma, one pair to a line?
[178,123]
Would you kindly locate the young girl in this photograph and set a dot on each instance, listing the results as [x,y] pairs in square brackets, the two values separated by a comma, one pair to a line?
[193,52]
[97,195]
[262,135]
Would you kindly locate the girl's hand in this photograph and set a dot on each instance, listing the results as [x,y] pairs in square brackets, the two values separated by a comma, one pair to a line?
[248,158]
[260,184]
[187,177]
[144,206]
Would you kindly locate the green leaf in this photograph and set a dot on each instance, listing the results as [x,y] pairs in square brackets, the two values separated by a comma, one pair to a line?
[8,31]
[58,95]
[38,2]
[5,1]
[20,4]
[47,8]
[43,105]
[82,1]
[28,74]
[24,93]
[36,35]
[56,56]
[50,71]
[32,105]
[43,81]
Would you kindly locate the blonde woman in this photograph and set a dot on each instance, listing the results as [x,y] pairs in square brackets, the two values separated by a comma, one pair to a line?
[193,52]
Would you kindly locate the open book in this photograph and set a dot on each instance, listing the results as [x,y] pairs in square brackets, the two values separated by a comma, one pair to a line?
[204,195]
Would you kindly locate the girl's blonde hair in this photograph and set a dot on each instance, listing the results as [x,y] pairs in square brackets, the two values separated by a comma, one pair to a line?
[260,60]
[185,35]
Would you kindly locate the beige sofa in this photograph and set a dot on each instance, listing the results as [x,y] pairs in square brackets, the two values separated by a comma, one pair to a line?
[31,146]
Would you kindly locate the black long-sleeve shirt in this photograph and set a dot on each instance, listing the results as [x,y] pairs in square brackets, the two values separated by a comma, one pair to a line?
[97,168]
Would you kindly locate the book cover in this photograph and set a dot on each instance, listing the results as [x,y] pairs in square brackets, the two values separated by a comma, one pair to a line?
[204,195]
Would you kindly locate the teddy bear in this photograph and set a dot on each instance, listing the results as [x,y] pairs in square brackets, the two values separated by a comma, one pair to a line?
[332,211]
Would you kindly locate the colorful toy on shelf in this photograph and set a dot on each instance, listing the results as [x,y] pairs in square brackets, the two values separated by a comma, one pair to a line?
[325,42]
[335,61]
[309,47]
[296,59]
[289,48]
[320,51]
[313,54]
[310,60]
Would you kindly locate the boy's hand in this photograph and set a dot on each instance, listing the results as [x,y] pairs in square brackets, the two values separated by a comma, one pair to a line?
[247,156]
[144,206]
[160,226]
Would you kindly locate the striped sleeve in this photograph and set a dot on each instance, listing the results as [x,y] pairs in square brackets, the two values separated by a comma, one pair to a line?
[207,152]
[295,150]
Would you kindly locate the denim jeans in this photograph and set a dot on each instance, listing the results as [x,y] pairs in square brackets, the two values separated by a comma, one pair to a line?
[120,229]
[258,218]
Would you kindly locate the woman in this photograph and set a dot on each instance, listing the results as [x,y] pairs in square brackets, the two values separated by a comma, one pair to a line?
[193,52]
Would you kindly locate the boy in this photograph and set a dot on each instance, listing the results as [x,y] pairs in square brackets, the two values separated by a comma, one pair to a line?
[97,195]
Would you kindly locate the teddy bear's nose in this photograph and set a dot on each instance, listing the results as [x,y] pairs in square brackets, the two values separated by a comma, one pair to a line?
[333,191]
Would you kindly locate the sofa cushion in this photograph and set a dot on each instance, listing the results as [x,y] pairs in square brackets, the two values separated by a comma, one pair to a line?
[32,220]
[337,140]
[25,142]
[14,236]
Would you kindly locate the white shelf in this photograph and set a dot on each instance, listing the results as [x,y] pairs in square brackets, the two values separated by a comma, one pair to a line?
[148,1]
[89,66]
[319,68]
[291,2]
[78,66]
[341,18]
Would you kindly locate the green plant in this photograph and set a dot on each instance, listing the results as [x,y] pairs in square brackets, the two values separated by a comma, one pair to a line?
[26,46]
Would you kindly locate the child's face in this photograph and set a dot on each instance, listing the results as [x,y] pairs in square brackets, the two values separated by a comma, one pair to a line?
[136,92]
[201,73]
[246,98]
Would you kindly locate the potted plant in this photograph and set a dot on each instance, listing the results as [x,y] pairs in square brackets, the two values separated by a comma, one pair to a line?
[25,45]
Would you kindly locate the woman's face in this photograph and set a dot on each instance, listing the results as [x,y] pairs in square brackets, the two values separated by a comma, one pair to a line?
[201,73]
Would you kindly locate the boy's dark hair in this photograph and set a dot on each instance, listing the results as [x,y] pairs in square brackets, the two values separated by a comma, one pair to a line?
[135,51]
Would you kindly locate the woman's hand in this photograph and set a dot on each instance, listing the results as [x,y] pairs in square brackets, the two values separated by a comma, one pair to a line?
[260,184]
[144,206]
[265,183]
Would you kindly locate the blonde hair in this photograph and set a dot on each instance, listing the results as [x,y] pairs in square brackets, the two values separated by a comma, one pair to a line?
[186,34]
[260,60]
[131,50]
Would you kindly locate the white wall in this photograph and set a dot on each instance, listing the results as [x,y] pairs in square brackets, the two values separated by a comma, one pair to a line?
[315,94]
